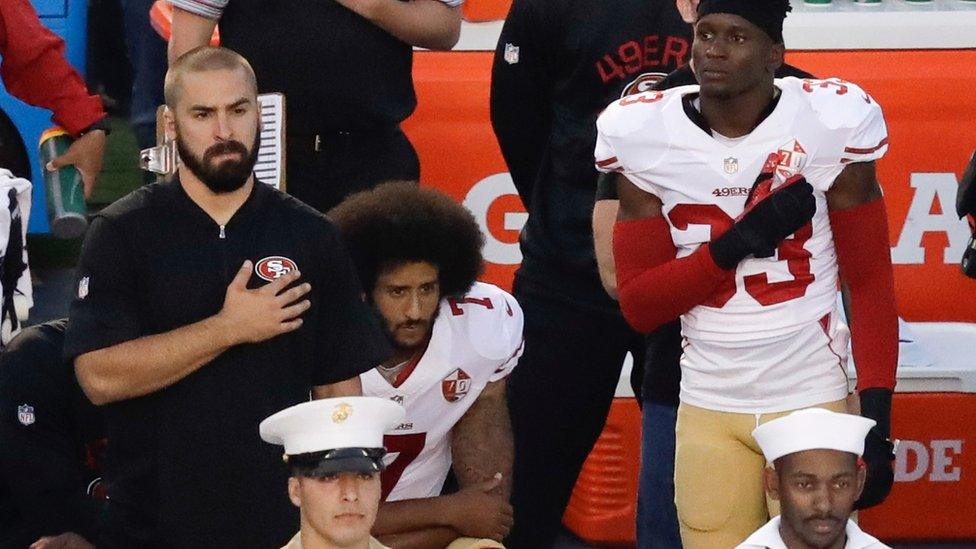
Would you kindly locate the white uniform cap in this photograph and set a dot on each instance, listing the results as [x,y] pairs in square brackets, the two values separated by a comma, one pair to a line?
[812,429]
[332,423]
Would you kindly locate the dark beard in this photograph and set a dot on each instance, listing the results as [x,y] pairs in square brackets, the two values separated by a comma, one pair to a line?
[229,175]
[391,338]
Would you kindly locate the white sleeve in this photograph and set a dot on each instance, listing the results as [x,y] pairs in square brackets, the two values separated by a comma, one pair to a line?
[869,140]
[211,9]
[513,337]
[863,137]
[492,321]
[604,154]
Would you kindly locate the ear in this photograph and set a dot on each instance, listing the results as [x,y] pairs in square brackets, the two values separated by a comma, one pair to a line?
[862,474]
[294,491]
[777,55]
[771,482]
[169,126]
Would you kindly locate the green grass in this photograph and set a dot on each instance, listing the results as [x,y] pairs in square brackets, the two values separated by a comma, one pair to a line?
[120,170]
[120,175]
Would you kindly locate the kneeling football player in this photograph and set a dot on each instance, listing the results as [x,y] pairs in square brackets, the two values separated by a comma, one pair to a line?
[418,254]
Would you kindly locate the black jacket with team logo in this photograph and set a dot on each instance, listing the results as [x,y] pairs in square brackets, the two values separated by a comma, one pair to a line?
[186,466]
[573,58]
[51,441]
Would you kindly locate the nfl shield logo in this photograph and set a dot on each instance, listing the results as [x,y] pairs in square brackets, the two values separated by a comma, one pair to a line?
[511,54]
[731,165]
[25,414]
[455,385]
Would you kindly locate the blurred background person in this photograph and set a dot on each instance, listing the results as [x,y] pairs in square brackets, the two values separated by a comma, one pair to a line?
[52,441]
[345,70]
[556,67]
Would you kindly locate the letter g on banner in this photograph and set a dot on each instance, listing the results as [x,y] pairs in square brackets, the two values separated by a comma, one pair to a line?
[497,209]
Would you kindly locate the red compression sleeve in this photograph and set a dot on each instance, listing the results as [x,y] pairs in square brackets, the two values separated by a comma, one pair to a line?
[864,259]
[653,286]
[35,71]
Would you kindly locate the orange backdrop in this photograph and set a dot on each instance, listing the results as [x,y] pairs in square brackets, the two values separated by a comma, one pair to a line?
[929,98]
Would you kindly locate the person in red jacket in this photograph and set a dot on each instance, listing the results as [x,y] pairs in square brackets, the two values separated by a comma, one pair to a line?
[35,71]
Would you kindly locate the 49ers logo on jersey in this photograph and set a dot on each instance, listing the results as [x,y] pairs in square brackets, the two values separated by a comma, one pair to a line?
[456,385]
[643,83]
[274,267]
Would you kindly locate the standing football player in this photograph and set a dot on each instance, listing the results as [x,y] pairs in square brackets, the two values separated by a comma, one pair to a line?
[743,209]
[418,254]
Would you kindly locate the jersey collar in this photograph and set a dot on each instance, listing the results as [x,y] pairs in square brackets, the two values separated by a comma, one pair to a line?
[259,193]
[688,103]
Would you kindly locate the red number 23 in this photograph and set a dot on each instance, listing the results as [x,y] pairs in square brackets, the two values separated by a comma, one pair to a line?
[767,293]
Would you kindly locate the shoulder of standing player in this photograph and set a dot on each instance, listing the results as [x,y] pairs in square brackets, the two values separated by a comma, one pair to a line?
[632,132]
[838,104]
[632,113]
[489,318]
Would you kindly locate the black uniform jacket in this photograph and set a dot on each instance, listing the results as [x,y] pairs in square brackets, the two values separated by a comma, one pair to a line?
[186,465]
[51,442]
[558,64]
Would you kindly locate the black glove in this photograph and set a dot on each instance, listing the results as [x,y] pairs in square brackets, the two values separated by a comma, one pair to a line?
[762,229]
[879,455]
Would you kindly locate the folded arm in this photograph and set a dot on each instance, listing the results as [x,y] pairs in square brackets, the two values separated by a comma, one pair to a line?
[430,24]
[654,286]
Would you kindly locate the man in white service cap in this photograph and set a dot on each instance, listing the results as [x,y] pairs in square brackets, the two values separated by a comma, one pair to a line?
[816,477]
[334,448]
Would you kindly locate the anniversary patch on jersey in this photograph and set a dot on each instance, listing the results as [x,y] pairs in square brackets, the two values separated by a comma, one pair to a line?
[456,385]
[274,267]
[792,158]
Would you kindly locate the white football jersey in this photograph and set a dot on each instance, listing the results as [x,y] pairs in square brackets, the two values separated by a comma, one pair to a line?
[475,340]
[768,339]
[817,127]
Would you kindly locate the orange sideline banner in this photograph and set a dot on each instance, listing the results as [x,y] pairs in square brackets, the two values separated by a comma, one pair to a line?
[929,99]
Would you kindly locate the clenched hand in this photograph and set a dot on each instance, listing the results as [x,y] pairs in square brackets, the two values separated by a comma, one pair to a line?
[480,514]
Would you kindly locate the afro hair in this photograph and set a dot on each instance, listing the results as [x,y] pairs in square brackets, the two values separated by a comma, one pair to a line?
[399,222]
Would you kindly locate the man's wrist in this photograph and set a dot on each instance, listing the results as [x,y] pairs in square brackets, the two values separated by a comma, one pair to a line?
[445,511]
[221,331]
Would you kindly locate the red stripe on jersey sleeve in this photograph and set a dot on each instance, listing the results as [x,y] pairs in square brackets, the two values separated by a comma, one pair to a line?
[853,150]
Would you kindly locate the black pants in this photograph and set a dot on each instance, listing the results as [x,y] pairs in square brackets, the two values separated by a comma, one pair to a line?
[347,163]
[559,396]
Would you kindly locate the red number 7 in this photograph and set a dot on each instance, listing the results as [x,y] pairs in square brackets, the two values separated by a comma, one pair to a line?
[407,448]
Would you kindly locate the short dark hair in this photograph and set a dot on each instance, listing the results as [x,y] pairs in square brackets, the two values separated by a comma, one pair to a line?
[399,222]
[200,59]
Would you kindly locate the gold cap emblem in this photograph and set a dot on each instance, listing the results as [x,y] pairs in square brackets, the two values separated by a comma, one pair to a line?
[341,412]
